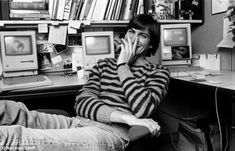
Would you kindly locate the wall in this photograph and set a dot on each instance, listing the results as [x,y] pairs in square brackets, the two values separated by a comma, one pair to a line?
[205,37]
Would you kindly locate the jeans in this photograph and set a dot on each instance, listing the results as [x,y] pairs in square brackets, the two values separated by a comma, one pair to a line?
[21,129]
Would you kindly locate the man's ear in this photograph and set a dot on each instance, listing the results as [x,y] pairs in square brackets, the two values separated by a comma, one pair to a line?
[150,46]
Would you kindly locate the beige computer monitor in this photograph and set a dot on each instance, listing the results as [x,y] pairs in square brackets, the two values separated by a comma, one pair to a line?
[18,53]
[97,45]
[175,44]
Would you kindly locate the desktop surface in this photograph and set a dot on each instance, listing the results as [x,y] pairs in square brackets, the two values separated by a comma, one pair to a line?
[62,85]
[226,80]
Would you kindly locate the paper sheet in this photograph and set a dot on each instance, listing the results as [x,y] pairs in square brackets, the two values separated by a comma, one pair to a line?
[77,57]
[42,28]
[227,41]
[207,61]
[57,35]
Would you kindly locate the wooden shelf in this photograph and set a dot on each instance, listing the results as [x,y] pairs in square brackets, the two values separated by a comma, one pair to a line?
[181,21]
[103,23]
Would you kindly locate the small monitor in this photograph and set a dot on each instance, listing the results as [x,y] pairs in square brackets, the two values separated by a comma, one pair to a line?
[18,53]
[97,45]
[176,46]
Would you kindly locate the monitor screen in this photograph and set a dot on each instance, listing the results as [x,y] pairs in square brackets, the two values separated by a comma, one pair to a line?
[97,45]
[175,36]
[18,45]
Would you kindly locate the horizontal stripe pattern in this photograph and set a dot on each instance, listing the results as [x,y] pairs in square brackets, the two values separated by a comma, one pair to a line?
[140,95]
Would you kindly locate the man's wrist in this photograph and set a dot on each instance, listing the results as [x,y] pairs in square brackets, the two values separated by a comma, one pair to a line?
[121,117]
[127,118]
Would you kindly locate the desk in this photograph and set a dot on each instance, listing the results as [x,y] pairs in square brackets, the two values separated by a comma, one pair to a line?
[70,85]
[60,95]
[222,86]
[226,81]
[62,85]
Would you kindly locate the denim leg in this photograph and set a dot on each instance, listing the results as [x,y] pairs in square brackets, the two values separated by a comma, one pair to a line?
[88,138]
[16,113]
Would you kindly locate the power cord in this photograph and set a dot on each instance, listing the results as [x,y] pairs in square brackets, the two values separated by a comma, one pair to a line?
[218,118]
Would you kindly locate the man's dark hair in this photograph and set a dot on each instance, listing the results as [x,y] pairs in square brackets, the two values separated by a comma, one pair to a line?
[142,22]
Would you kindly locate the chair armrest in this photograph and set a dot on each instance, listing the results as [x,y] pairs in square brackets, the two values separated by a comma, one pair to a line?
[137,132]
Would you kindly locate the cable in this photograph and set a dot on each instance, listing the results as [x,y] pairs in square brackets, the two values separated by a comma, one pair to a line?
[218,118]
[173,142]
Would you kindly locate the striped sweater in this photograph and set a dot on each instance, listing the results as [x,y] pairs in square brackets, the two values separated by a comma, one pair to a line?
[139,95]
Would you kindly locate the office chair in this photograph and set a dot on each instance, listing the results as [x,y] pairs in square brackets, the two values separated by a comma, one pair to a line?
[138,134]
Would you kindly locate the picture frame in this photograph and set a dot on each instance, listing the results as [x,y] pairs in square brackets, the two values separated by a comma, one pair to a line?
[219,6]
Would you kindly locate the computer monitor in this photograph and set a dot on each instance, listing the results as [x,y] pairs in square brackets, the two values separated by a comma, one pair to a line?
[18,53]
[175,44]
[97,45]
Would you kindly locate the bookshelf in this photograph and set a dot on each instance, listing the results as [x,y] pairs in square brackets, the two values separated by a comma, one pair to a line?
[102,23]
[115,13]
[109,21]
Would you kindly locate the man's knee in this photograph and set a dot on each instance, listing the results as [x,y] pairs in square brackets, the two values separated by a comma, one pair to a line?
[10,112]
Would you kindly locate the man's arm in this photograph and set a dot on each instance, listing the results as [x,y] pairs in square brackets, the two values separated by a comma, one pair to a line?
[129,119]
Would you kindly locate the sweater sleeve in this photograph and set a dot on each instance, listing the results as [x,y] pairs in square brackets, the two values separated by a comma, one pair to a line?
[88,104]
[144,100]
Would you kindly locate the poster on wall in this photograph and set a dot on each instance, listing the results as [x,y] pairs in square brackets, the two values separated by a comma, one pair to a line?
[219,6]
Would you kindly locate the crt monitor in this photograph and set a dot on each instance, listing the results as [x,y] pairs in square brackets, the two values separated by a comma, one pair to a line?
[18,53]
[97,45]
[175,44]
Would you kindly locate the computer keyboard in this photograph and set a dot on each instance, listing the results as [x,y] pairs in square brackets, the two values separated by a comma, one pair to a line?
[186,71]
[29,81]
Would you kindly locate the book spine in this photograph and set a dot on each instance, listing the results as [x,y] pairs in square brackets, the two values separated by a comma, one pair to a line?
[118,10]
[29,15]
[55,9]
[5,9]
[111,10]
[133,8]
[0,19]
[97,9]
[29,1]
[127,11]
[78,13]
[140,8]
[60,11]
[87,9]
[67,9]
[114,10]
[29,11]
[103,10]
[120,17]
[83,10]
[90,13]
[73,9]
[27,5]
[108,10]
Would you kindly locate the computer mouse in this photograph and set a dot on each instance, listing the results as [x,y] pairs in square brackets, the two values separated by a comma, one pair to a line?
[198,76]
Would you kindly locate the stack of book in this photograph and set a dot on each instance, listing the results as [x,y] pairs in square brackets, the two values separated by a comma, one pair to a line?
[106,9]
[29,9]
[97,9]
[73,9]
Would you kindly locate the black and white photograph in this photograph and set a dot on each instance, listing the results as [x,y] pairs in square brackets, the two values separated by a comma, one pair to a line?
[117,75]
